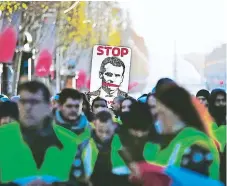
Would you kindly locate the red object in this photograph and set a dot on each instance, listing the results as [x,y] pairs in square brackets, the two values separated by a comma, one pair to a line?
[110,84]
[112,51]
[152,175]
[44,62]
[8,41]
[81,81]
[221,82]
[132,85]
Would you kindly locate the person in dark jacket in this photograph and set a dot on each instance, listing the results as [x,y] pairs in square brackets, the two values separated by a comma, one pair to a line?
[203,95]
[87,109]
[69,113]
[217,106]
[93,160]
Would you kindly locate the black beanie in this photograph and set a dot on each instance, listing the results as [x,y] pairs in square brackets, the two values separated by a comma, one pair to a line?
[179,101]
[139,117]
[204,93]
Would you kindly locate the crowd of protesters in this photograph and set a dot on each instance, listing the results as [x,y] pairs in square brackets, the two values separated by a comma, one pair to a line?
[167,137]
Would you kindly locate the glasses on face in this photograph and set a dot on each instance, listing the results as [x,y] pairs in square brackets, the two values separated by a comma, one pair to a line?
[30,101]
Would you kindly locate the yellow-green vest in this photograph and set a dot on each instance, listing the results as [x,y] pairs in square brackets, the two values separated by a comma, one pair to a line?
[16,159]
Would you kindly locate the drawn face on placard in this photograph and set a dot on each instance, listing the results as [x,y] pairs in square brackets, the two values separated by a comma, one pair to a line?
[111,65]
[112,73]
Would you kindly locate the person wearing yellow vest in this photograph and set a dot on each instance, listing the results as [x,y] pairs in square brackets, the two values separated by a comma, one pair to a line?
[116,107]
[186,141]
[99,104]
[217,109]
[93,159]
[35,149]
[70,115]
[133,141]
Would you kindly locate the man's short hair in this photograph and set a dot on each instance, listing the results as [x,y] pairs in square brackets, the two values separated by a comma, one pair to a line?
[98,99]
[69,93]
[34,87]
[115,61]
[103,116]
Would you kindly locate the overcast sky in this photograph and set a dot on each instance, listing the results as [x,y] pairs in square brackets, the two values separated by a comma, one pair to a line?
[195,25]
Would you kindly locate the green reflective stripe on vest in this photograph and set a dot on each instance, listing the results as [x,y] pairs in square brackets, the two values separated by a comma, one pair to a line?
[89,157]
[174,151]
[150,151]
[16,159]
[220,134]
[86,134]
[214,126]
[116,159]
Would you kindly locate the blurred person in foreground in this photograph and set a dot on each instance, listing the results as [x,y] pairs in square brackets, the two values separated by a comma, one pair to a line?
[203,95]
[162,83]
[37,152]
[70,115]
[93,161]
[132,143]
[185,140]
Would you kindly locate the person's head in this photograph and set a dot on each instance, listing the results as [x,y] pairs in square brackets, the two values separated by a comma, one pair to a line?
[54,101]
[126,104]
[8,112]
[162,83]
[218,98]
[217,105]
[138,121]
[98,104]
[112,72]
[34,104]
[151,101]
[175,110]
[104,127]
[203,96]
[116,105]
[70,104]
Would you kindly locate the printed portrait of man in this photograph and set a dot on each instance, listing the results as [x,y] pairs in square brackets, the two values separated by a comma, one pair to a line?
[111,73]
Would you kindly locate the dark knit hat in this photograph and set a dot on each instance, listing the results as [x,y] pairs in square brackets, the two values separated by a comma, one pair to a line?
[139,117]
[204,93]
[180,102]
